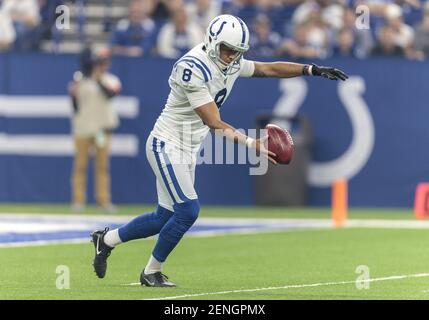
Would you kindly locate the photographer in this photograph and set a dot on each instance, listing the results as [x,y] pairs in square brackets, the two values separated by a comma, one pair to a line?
[93,119]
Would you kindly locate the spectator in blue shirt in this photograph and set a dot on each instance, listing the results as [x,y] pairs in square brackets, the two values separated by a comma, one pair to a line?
[25,18]
[135,36]
[48,16]
[264,42]
[178,36]
[344,46]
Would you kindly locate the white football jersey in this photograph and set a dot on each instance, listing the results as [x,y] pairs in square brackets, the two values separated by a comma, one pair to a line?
[194,81]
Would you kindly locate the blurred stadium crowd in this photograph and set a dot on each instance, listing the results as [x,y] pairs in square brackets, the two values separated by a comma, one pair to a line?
[315,29]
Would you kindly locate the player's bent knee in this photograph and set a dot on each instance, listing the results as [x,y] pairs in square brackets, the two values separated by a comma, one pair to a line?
[188,210]
[163,213]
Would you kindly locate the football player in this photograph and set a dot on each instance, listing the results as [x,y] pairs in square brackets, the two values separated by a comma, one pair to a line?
[200,83]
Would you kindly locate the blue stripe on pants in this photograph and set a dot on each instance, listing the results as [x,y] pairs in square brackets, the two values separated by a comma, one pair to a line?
[158,161]
[173,176]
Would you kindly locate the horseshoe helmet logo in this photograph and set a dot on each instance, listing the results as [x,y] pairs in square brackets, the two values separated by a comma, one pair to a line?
[220,28]
[347,165]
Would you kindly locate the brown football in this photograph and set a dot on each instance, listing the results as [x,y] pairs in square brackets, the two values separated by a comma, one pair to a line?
[280,142]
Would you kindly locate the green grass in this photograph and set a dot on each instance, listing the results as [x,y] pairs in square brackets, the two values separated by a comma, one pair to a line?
[201,265]
[232,262]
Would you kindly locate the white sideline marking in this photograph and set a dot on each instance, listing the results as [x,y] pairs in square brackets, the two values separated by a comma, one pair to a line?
[417,275]
[60,144]
[44,243]
[58,106]
[33,223]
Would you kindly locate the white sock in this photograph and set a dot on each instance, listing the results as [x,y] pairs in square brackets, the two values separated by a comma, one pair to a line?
[153,266]
[112,238]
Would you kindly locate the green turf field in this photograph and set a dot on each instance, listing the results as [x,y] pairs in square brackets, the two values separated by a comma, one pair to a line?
[304,264]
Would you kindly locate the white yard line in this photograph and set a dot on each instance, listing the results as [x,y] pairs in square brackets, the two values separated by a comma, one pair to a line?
[353,223]
[294,286]
[388,224]
[64,217]
[24,223]
[44,243]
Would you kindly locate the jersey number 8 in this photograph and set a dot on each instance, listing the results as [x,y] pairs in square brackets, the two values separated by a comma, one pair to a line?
[187,73]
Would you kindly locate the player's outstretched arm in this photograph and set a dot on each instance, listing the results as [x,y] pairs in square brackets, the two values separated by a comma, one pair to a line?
[290,70]
[209,114]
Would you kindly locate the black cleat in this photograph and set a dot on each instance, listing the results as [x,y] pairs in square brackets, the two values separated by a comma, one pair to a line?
[157,279]
[102,252]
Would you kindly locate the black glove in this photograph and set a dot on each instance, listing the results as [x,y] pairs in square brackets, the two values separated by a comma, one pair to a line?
[328,72]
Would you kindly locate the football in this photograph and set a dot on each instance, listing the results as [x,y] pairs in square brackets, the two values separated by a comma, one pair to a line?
[280,142]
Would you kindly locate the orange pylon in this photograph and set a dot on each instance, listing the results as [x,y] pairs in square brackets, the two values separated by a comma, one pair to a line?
[339,202]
